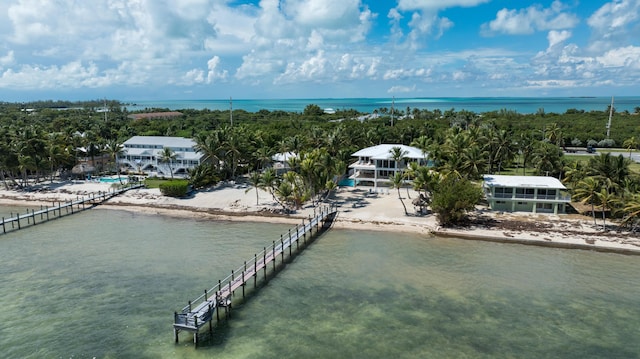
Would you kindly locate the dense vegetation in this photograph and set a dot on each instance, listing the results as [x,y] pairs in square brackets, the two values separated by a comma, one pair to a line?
[48,141]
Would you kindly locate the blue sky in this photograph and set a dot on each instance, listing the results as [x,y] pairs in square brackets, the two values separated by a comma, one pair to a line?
[216,49]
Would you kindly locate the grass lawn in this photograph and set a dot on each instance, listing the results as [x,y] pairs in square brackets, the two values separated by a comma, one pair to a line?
[155,182]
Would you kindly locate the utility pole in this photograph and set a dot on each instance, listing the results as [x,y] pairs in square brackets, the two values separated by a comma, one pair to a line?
[231,110]
[393,102]
[610,115]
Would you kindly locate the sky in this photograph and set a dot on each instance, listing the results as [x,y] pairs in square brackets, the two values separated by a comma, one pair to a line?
[272,49]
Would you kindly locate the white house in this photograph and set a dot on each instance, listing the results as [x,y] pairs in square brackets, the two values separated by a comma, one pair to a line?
[536,194]
[143,153]
[375,164]
[281,161]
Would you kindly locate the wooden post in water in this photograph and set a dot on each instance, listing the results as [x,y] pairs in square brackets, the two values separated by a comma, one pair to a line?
[273,255]
[217,299]
[245,264]
[264,262]
[255,269]
[210,319]
[231,281]
[175,331]
[33,216]
[47,208]
[4,230]
[282,249]
[18,218]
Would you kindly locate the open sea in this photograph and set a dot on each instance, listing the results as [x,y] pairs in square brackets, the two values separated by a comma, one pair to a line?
[368,105]
[105,283]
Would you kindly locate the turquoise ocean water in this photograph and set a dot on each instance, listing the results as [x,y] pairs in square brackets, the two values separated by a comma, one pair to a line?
[104,284]
[368,105]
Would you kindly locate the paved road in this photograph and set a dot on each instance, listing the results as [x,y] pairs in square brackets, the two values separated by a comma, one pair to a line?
[635,156]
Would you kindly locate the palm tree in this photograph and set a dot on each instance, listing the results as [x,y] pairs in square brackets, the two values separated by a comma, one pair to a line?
[398,155]
[525,147]
[115,149]
[397,181]
[587,192]
[606,200]
[256,181]
[631,210]
[168,156]
[547,158]
[631,144]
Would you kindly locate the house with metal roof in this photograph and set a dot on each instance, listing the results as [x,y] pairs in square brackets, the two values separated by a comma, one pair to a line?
[536,194]
[375,165]
[144,154]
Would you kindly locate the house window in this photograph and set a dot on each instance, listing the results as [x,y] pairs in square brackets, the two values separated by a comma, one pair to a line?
[544,206]
[524,192]
[502,192]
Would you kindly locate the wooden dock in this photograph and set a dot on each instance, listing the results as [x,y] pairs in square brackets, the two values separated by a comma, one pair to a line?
[61,209]
[200,311]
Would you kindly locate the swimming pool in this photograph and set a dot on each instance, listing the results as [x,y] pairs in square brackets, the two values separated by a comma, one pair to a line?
[113,179]
[347,182]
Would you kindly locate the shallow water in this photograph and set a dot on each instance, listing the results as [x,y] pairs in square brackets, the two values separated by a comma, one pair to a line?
[105,284]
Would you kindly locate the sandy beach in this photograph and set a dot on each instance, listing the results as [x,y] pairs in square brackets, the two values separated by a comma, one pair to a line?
[359,208]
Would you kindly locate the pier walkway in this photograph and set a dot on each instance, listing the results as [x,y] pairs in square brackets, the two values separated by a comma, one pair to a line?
[200,311]
[46,213]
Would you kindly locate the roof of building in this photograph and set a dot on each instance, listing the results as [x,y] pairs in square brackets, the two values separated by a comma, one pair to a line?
[164,141]
[383,152]
[283,157]
[522,182]
[171,114]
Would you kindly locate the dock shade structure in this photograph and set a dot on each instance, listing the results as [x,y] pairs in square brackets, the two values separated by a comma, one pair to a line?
[535,194]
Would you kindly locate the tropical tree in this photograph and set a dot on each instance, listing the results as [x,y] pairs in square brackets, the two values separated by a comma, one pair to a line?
[255,178]
[115,149]
[453,198]
[631,144]
[547,159]
[397,154]
[168,156]
[397,180]
[606,200]
[586,191]
[631,210]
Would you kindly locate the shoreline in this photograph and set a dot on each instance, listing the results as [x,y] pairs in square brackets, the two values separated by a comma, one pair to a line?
[360,208]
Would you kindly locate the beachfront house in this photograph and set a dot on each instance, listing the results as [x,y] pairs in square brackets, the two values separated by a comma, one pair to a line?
[281,161]
[375,165]
[144,154]
[536,194]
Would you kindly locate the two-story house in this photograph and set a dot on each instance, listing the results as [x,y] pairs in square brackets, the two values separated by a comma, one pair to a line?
[144,154]
[536,194]
[375,165]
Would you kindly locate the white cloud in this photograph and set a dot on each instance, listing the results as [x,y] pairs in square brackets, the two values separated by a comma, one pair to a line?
[624,57]
[557,37]
[215,73]
[406,5]
[529,20]
[614,24]
[402,89]
[7,59]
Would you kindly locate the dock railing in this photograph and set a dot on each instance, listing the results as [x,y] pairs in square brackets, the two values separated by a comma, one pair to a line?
[200,310]
[46,213]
